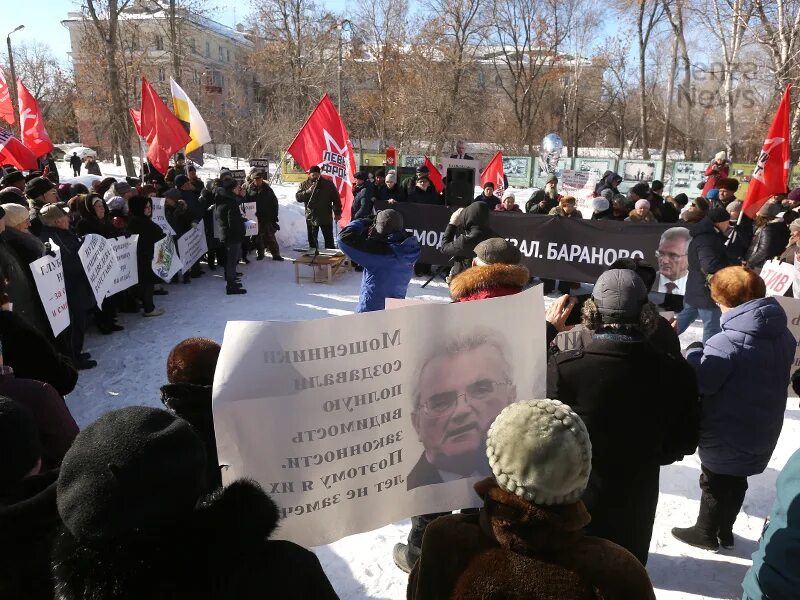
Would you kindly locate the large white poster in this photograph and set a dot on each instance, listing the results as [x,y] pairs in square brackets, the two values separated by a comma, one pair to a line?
[100,263]
[192,245]
[357,421]
[792,308]
[48,273]
[580,185]
[250,220]
[128,273]
[166,262]
[159,216]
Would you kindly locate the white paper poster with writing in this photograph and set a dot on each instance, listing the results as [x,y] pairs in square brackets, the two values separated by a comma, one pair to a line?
[159,216]
[778,276]
[125,252]
[192,245]
[354,422]
[580,185]
[250,220]
[166,262]
[100,263]
[792,308]
[48,273]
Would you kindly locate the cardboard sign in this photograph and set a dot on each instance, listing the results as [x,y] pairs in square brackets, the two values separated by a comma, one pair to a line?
[192,245]
[159,216]
[128,273]
[100,263]
[48,273]
[778,276]
[166,262]
[345,420]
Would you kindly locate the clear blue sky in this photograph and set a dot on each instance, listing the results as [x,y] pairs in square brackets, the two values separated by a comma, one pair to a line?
[44,24]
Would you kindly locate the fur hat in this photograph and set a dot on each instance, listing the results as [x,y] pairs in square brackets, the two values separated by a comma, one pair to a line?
[497,250]
[600,203]
[619,295]
[729,183]
[721,155]
[15,214]
[388,221]
[20,447]
[540,450]
[641,189]
[718,214]
[50,214]
[133,469]
[193,360]
[38,186]
[642,203]
[391,176]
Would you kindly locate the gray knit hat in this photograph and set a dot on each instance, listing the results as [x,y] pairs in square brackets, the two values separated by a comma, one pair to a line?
[540,450]
[388,221]
[498,250]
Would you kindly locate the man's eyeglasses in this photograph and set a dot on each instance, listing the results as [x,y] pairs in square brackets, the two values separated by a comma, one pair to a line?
[668,255]
[444,402]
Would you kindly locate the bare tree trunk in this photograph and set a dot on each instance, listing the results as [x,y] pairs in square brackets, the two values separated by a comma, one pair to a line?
[174,43]
[668,117]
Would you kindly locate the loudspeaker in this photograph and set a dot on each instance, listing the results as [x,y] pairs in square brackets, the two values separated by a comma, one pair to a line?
[460,186]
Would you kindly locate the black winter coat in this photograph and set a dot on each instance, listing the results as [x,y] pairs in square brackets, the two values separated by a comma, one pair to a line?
[363,201]
[228,213]
[193,404]
[641,409]
[22,291]
[219,551]
[80,296]
[492,200]
[321,199]
[33,356]
[266,203]
[29,521]
[429,196]
[768,242]
[27,247]
[385,193]
[89,223]
[474,229]
[707,255]
[149,233]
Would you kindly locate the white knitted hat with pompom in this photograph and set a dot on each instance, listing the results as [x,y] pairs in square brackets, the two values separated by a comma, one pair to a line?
[540,451]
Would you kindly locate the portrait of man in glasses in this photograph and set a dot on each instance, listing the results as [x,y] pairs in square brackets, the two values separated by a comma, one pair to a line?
[462,385]
[673,262]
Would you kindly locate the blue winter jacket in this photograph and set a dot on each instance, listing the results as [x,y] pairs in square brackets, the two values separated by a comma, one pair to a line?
[388,262]
[775,573]
[743,376]
[363,200]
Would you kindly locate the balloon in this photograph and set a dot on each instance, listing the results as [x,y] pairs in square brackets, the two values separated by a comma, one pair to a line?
[551,152]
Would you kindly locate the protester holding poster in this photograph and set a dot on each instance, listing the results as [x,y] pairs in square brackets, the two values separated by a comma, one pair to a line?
[149,233]
[604,383]
[742,373]
[55,226]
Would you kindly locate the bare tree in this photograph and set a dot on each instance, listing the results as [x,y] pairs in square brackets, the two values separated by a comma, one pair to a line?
[649,13]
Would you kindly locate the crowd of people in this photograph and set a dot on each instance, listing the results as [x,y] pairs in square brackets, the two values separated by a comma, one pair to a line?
[570,501]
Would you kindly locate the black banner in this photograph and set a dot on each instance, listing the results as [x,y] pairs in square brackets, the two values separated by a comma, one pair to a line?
[552,247]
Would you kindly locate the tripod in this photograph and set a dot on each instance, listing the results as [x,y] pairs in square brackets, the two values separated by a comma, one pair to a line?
[440,271]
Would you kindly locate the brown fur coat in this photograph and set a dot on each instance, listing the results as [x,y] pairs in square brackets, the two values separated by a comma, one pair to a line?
[515,550]
[488,281]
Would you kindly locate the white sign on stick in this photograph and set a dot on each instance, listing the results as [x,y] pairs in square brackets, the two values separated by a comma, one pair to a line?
[159,216]
[166,262]
[48,273]
[100,263]
[778,276]
[192,245]
[352,419]
[125,252]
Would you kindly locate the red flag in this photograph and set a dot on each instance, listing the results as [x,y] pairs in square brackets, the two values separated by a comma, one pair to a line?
[323,141]
[495,174]
[136,117]
[160,128]
[13,152]
[31,123]
[6,108]
[434,175]
[773,164]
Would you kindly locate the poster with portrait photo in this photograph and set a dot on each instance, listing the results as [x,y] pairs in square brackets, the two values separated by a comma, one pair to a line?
[354,422]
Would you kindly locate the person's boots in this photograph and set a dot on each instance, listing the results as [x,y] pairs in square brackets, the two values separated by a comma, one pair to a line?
[729,510]
[703,534]
[405,556]
[235,290]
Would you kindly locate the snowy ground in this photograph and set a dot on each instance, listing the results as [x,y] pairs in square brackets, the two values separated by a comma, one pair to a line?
[131,370]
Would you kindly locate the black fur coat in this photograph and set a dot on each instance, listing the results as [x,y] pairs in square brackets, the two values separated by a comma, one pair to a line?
[219,551]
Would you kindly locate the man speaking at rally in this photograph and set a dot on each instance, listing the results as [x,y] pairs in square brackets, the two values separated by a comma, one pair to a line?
[673,261]
[463,385]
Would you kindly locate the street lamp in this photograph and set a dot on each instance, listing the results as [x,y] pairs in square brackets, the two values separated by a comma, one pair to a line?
[13,86]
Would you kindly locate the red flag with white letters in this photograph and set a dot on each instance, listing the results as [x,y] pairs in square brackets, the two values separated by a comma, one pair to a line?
[434,175]
[31,123]
[773,164]
[495,174]
[6,108]
[13,152]
[323,141]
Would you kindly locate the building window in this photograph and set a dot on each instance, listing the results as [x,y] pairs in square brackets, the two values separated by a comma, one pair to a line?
[192,46]
[159,42]
[221,54]
[162,74]
[227,55]
[208,49]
